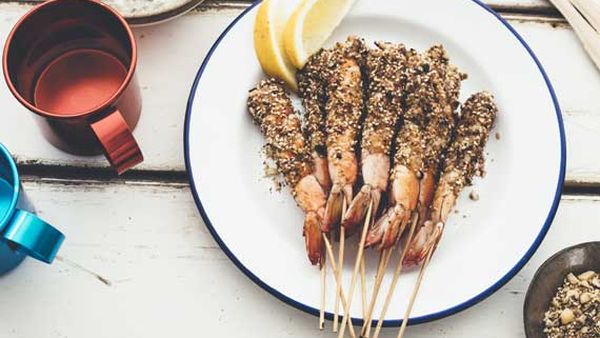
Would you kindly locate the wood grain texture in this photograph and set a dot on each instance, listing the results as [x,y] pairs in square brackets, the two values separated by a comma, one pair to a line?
[164,276]
[138,260]
[529,6]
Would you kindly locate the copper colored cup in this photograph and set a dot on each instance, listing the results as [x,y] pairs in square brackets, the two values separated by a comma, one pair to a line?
[72,63]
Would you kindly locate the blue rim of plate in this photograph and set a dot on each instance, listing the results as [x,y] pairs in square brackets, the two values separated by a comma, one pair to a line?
[397,322]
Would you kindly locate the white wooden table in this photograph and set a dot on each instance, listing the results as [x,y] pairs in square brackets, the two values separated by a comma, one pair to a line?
[138,260]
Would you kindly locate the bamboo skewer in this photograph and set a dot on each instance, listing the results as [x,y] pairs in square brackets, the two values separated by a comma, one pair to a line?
[395,278]
[363,287]
[340,269]
[368,310]
[572,10]
[338,281]
[590,9]
[384,259]
[361,248]
[413,296]
[323,293]
[366,329]
[336,309]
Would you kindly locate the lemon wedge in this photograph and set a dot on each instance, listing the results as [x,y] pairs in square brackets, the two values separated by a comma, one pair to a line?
[310,25]
[270,22]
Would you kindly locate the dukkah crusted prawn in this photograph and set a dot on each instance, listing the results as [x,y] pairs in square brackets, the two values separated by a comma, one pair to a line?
[385,67]
[271,109]
[408,158]
[312,86]
[441,122]
[431,102]
[344,109]
[404,192]
[464,160]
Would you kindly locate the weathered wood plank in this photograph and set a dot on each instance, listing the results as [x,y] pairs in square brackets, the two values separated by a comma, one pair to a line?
[530,6]
[171,53]
[162,275]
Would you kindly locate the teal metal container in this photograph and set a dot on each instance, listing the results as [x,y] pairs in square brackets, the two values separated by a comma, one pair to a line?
[22,233]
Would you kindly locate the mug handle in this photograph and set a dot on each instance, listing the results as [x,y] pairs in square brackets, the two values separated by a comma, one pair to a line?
[116,138]
[33,236]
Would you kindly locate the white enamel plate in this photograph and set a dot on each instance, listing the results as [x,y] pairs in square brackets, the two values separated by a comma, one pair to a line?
[485,243]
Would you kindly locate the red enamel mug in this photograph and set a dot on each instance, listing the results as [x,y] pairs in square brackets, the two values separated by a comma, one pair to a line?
[72,63]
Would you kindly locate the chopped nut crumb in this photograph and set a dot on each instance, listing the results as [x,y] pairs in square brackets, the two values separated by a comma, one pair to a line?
[586,275]
[474,195]
[575,309]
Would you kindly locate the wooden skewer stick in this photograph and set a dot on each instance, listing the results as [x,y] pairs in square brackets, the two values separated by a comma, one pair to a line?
[332,264]
[359,254]
[363,277]
[384,259]
[581,25]
[396,276]
[590,9]
[323,293]
[367,318]
[413,296]
[339,271]
[363,286]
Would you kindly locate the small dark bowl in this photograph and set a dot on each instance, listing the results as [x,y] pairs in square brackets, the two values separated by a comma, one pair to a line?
[550,276]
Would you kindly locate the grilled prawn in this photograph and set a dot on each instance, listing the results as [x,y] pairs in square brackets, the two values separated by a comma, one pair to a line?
[385,73]
[312,85]
[441,122]
[408,161]
[271,109]
[431,101]
[344,111]
[464,160]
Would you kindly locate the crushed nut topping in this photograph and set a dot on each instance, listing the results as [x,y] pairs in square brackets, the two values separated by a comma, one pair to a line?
[464,158]
[441,101]
[575,309]
[430,99]
[312,88]
[474,196]
[386,81]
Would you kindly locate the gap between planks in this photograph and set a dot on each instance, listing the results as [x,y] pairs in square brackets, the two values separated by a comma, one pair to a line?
[70,175]
[82,176]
